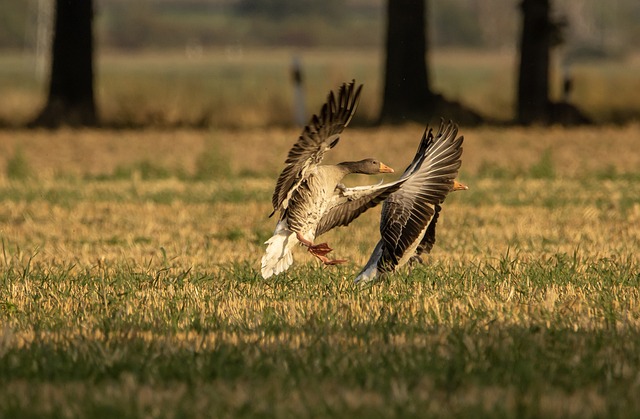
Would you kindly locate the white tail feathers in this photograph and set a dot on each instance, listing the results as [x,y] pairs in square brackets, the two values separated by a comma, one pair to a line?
[367,275]
[278,256]
[370,271]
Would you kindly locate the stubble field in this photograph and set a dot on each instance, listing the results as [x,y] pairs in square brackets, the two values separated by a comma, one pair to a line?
[130,282]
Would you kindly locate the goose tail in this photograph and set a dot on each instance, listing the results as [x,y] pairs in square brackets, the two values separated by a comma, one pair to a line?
[370,272]
[278,256]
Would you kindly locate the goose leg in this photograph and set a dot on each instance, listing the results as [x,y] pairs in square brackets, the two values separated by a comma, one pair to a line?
[328,261]
[319,250]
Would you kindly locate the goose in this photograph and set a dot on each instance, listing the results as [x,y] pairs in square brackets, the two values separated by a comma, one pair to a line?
[409,214]
[310,197]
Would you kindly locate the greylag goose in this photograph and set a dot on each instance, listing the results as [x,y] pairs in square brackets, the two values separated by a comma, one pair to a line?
[409,215]
[309,196]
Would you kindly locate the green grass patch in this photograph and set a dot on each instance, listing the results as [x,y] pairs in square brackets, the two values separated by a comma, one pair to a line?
[509,337]
[544,168]
[18,167]
[212,165]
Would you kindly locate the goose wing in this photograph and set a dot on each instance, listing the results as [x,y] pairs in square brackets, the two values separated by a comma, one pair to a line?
[407,212]
[421,153]
[320,135]
[349,203]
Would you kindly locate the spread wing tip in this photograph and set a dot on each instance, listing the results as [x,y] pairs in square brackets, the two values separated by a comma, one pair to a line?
[320,135]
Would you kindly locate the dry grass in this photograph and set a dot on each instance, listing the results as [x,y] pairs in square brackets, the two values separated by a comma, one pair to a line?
[576,152]
[136,292]
[574,194]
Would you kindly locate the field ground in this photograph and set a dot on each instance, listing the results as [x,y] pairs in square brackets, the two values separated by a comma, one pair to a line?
[129,282]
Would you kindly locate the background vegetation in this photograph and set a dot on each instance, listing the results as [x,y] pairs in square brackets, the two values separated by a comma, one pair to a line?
[251,88]
[593,25]
[227,63]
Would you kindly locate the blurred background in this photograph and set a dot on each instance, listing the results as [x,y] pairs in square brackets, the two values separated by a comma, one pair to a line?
[232,63]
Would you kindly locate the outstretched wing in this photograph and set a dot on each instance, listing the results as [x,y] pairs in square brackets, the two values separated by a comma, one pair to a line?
[321,134]
[349,203]
[421,153]
[407,212]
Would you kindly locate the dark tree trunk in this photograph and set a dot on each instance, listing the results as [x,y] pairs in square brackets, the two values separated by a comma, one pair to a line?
[407,91]
[71,98]
[533,81]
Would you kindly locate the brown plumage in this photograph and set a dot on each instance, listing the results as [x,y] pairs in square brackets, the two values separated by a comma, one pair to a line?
[309,196]
[409,215]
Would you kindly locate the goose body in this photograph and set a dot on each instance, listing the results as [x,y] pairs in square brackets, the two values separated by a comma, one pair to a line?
[304,211]
[309,197]
[409,214]
[312,198]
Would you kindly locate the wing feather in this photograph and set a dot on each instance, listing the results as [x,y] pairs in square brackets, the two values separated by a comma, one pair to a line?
[411,209]
[320,135]
[352,202]
[349,203]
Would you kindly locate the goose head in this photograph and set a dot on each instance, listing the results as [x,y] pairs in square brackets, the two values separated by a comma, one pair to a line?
[367,167]
[457,186]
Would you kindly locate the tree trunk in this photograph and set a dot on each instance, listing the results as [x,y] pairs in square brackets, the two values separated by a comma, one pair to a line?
[71,97]
[407,91]
[533,82]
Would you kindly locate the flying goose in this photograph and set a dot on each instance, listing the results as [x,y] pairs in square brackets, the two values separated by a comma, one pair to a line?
[309,196]
[409,215]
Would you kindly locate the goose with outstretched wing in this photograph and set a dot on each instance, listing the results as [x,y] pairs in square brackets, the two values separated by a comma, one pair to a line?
[409,214]
[309,196]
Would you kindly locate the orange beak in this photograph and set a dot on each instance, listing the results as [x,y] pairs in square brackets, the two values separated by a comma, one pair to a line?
[457,186]
[385,169]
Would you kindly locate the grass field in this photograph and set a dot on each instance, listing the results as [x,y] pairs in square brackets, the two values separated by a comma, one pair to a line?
[130,287]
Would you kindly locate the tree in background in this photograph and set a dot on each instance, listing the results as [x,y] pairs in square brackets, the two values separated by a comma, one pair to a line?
[71,97]
[406,81]
[539,34]
[407,88]
[533,80]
